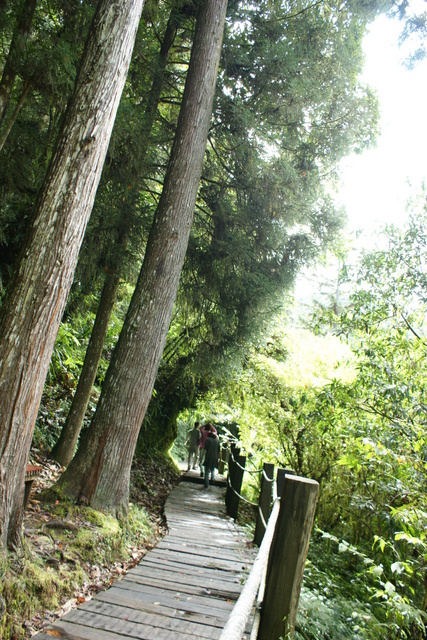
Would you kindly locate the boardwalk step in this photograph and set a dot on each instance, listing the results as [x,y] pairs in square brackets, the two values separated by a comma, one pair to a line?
[184,588]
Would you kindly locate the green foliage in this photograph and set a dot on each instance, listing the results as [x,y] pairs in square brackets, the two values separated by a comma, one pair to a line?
[29,585]
[349,411]
[375,498]
[46,71]
[67,359]
[289,105]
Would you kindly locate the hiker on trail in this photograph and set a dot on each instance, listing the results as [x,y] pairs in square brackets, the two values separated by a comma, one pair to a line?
[193,440]
[204,430]
[211,457]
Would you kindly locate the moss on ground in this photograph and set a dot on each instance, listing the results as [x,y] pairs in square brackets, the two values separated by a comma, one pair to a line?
[71,552]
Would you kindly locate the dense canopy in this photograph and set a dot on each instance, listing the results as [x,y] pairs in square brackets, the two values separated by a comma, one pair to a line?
[169,168]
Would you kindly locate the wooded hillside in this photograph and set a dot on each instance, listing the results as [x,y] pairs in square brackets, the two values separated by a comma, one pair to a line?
[166,171]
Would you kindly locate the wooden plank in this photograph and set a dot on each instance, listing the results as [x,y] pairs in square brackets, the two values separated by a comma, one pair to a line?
[203,550]
[200,530]
[176,599]
[164,593]
[209,574]
[205,520]
[177,622]
[233,561]
[194,581]
[129,628]
[181,570]
[130,600]
[71,631]
[190,584]
[183,589]
[202,561]
[162,561]
[223,543]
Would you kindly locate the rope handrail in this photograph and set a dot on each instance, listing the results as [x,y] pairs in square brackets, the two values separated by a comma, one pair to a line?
[266,476]
[253,504]
[236,623]
[255,584]
[293,522]
[239,495]
[244,468]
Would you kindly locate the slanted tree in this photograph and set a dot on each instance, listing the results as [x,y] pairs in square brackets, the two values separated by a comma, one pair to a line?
[33,308]
[289,106]
[125,220]
[99,473]
[44,83]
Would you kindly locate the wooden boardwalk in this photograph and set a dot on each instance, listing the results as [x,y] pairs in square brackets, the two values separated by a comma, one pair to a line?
[184,588]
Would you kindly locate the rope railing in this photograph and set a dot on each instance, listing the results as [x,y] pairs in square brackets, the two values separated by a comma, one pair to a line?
[239,495]
[237,621]
[234,495]
[284,519]
[255,471]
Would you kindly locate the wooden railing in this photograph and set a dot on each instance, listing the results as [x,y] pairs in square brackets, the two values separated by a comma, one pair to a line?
[285,517]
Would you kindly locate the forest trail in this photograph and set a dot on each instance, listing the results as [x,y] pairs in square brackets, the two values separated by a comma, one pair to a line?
[183,588]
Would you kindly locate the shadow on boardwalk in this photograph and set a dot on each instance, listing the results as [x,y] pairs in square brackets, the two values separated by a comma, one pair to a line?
[185,587]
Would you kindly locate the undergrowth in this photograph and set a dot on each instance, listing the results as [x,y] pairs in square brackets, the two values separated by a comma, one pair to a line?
[71,552]
[58,557]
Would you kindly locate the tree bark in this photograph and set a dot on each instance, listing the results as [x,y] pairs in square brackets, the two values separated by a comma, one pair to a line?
[34,306]
[13,61]
[99,473]
[63,451]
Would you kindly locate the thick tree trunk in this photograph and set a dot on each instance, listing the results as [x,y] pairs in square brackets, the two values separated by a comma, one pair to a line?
[15,54]
[63,450]
[99,473]
[34,307]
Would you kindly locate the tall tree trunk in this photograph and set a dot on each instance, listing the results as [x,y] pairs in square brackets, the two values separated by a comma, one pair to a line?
[34,306]
[99,473]
[14,57]
[63,450]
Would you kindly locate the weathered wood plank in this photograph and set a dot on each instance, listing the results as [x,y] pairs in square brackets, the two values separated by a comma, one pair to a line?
[226,578]
[70,631]
[200,561]
[129,600]
[183,589]
[177,623]
[130,628]
[176,599]
[202,549]
[222,539]
[165,592]
[180,571]
[190,585]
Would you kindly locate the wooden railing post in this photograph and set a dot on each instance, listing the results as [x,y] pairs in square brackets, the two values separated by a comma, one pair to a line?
[264,505]
[231,465]
[287,558]
[235,479]
[281,473]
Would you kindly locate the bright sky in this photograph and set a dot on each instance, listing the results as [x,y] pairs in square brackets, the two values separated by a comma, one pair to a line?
[375,184]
